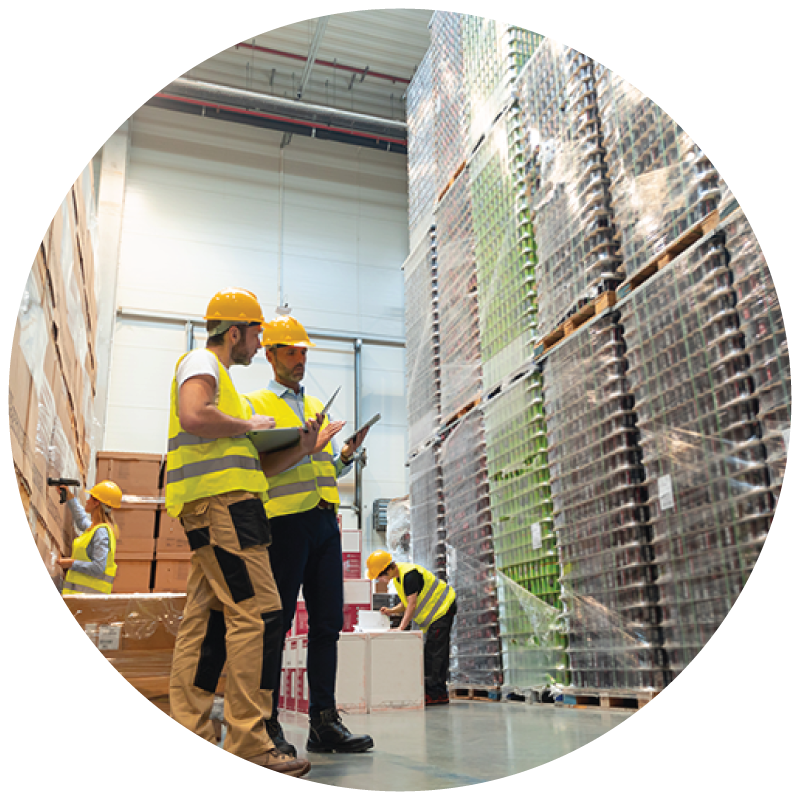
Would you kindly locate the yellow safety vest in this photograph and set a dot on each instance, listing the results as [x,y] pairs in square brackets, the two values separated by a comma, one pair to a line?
[301,487]
[433,600]
[198,467]
[77,582]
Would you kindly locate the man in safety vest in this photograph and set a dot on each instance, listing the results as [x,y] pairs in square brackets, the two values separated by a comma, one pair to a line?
[431,604]
[306,545]
[215,485]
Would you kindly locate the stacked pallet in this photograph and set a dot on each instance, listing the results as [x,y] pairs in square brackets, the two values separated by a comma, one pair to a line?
[53,373]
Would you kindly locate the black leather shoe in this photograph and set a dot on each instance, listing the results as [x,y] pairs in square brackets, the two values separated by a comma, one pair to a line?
[275,732]
[327,734]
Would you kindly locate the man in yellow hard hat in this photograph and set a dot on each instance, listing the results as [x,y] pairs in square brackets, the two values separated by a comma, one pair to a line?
[431,604]
[306,545]
[215,485]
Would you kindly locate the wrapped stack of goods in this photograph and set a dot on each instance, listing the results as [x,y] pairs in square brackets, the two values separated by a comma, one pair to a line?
[427,511]
[710,504]
[765,341]
[600,513]
[53,372]
[567,183]
[661,182]
[471,567]
[458,304]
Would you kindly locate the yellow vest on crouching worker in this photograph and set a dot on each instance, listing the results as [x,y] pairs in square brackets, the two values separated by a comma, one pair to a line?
[301,487]
[433,600]
[79,583]
[198,467]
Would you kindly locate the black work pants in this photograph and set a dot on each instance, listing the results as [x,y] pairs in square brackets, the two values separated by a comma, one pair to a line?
[437,654]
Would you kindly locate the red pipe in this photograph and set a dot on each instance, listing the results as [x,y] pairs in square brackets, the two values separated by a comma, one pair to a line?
[206,104]
[358,70]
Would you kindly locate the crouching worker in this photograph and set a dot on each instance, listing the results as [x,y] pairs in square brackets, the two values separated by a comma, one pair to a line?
[431,604]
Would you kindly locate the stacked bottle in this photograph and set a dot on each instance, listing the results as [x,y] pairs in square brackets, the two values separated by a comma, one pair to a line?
[710,504]
[427,511]
[470,552]
[600,513]
[661,182]
[765,342]
[458,303]
[567,183]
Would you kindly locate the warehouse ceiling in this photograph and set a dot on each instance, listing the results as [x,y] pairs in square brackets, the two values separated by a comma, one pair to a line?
[360,63]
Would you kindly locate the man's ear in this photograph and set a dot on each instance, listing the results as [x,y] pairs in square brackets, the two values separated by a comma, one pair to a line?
[236,334]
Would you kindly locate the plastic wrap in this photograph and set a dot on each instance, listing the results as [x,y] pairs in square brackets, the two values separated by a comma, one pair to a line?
[422,167]
[470,555]
[458,304]
[423,378]
[765,341]
[449,95]
[600,513]
[398,528]
[493,55]
[426,498]
[503,255]
[568,184]
[661,182]
[710,504]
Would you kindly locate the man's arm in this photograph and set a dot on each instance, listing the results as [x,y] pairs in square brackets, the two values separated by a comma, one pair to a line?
[312,440]
[411,607]
[200,416]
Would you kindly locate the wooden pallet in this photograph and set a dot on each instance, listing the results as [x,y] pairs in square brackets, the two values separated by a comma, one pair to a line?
[670,253]
[456,415]
[484,694]
[605,700]
[451,181]
[577,320]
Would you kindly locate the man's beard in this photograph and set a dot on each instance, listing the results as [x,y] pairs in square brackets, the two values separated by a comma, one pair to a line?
[239,354]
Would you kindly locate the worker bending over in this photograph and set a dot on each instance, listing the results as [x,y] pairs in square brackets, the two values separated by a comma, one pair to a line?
[215,485]
[431,604]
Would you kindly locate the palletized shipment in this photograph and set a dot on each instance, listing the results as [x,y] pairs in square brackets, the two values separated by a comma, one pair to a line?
[509,422]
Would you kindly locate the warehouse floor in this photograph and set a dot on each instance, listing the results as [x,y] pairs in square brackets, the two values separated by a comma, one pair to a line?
[444,747]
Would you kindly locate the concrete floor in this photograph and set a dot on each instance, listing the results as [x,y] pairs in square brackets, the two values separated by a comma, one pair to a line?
[444,747]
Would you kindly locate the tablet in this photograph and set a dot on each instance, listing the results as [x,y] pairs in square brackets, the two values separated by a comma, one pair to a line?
[274,439]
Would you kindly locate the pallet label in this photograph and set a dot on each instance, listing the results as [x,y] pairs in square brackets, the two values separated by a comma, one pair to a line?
[665,497]
[536,535]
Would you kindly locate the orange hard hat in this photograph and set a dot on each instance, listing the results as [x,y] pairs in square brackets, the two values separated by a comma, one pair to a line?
[236,306]
[285,330]
[108,493]
[377,563]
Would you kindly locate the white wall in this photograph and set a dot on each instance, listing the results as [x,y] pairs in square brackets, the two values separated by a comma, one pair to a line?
[206,206]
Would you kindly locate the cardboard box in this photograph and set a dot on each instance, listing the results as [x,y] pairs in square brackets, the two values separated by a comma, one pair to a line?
[20,386]
[172,574]
[137,529]
[133,574]
[301,680]
[171,537]
[300,622]
[351,673]
[134,473]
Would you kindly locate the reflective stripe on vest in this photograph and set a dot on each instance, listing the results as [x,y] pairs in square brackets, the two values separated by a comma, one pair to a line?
[201,467]
[76,582]
[302,487]
[434,598]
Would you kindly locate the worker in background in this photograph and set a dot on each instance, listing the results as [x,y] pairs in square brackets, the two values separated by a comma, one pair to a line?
[431,604]
[306,541]
[215,485]
[92,568]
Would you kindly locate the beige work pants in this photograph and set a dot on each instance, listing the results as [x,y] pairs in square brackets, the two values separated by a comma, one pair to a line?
[232,615]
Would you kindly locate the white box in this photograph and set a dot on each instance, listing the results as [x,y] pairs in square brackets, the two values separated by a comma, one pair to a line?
[358,592]
[397,670]
[351,541]
[351,673]
[380,671]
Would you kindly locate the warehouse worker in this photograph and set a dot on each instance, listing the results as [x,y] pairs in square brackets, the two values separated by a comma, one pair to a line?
[306,541]
[431,604]
[215,484]
[92,568]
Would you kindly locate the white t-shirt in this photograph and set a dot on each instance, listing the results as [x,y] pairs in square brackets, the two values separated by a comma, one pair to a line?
[199,362]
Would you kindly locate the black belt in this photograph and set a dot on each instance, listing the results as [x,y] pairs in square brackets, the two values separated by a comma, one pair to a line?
[325,504]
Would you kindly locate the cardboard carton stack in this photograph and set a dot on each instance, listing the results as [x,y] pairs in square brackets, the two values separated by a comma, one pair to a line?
[53,371]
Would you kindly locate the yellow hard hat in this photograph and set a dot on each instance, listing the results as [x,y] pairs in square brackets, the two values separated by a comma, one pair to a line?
[377,563]
[108,493]
[234,305]
[285,330]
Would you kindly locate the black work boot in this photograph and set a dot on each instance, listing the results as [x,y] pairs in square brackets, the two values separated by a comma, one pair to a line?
[275,732]
[327,734]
